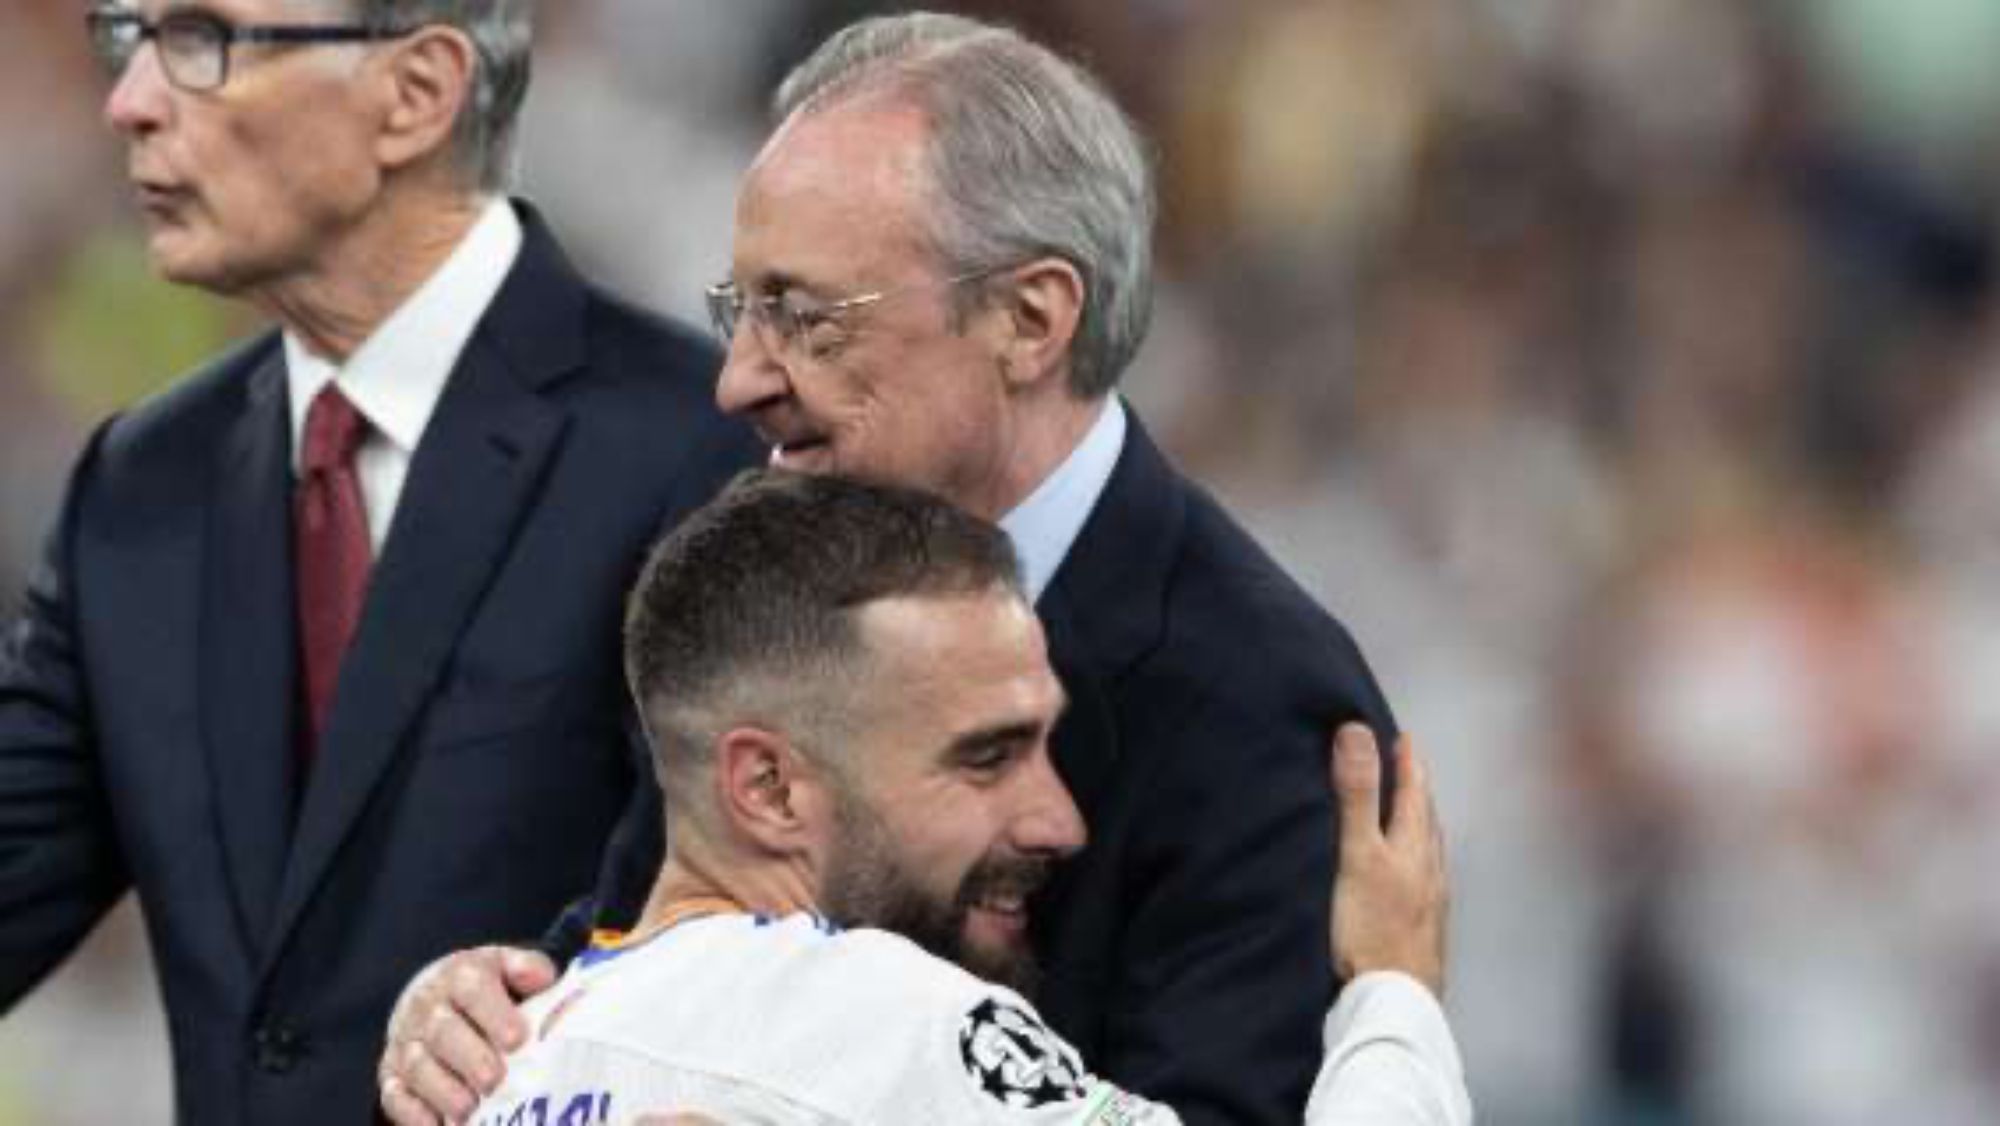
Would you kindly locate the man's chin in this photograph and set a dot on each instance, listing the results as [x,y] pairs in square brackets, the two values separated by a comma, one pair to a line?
[174,259]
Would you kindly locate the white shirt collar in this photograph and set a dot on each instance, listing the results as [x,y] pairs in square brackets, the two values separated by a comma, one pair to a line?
[1045,526]
[398,374]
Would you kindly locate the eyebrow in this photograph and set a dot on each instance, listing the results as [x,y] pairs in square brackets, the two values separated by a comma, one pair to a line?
[1001,735]
[181,8]
[779,281]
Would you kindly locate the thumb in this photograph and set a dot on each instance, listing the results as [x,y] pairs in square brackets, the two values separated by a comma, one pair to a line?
[1357,782]
[1412,819]
[528,972]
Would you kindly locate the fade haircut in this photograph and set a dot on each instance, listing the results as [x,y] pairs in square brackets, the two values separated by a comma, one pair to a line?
[746,613]
[1027,156]
[502,33]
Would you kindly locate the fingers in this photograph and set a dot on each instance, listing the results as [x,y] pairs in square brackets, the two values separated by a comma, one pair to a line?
[468,1059]
[1414,825]
[1412,816]
[1391,893]
[402,1108]
[1357,783]
[438,1089]
[528,972]
[478,988]
[451,1029]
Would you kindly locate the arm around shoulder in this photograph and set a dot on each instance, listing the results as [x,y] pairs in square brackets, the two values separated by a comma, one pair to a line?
[1390,1059]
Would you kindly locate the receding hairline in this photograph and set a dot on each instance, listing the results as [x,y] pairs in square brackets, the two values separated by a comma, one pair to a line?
[801,148]
[901,619]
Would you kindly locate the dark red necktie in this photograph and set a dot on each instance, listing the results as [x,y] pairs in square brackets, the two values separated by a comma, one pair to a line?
[333,555]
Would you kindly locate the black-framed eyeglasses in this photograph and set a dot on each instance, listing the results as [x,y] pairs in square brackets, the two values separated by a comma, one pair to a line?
[790,320]
[194,45]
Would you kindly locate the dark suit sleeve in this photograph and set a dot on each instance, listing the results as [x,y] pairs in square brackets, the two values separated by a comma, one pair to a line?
[1225,974]
[60,866]
[625,875]
[638,844]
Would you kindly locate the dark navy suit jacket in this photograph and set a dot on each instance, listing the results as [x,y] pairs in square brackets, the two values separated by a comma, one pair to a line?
[478,750]
[1186,948]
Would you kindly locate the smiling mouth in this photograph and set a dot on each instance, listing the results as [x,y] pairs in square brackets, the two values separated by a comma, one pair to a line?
[1004,918]
[1003,888]
[789,453]
[1006,906]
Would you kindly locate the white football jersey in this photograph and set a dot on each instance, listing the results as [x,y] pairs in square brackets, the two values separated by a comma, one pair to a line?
[747,1019]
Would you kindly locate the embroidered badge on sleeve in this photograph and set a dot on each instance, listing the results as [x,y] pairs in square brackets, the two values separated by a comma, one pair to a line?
[1015,1059]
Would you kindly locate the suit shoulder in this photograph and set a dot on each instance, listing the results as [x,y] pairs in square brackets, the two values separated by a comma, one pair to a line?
[643,403]
[198,396]
[1230,591]
[1240,632]
[651,351]
[182,422]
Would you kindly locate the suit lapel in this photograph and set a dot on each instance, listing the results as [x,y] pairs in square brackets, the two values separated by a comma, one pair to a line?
[1085,742]
[1104,609]
[473,481]
[248,648]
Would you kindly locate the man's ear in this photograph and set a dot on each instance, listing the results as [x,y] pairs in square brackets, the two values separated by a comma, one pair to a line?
[426,80]
[764,788]
[1041,307]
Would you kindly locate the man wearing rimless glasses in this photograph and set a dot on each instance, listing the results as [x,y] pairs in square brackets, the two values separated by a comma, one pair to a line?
[326,630]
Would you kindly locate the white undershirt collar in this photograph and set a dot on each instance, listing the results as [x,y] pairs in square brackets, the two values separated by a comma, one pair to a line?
[397,376]
[1045,526]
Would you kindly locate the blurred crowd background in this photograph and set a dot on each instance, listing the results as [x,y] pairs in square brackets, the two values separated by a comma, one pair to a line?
[1625,373]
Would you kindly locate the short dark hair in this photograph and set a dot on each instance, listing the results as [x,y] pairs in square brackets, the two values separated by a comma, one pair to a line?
[746,612]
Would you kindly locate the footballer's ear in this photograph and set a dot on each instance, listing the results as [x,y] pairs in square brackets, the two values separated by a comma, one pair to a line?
[765,788]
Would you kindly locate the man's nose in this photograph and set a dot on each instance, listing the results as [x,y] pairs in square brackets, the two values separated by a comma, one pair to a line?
[141,97]
[1049,823]
[751,375]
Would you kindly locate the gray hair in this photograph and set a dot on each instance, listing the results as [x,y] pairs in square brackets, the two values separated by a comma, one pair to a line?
[502,31]
[1028,157]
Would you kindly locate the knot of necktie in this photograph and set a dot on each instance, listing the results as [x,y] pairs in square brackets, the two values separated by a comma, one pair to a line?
[334,432]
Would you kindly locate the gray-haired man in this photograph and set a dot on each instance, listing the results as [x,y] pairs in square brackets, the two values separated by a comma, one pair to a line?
[942,267]
[329,630]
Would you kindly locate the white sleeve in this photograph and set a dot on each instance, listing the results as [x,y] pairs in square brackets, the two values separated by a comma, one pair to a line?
[1390,1059]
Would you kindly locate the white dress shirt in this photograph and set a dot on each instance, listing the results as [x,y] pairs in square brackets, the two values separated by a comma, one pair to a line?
[1045,526]
[397,376]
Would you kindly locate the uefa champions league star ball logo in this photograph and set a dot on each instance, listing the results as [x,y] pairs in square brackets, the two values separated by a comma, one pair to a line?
[1016,1060]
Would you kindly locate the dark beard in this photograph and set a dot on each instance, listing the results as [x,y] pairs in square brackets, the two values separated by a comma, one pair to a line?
[866,886]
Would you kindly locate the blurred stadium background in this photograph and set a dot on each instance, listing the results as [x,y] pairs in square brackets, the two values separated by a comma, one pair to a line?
[1626,373]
